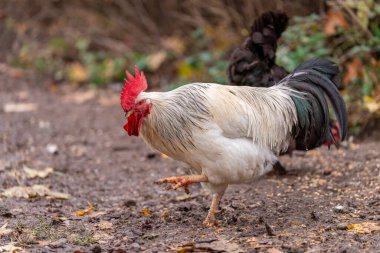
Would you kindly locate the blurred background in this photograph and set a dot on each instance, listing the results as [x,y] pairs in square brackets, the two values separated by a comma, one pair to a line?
[175,42]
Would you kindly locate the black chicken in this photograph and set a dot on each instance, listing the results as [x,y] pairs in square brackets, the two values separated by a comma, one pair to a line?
[253,63]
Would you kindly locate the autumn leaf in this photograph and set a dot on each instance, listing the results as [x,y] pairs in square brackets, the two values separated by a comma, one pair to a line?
[104,225]
[185,70]
[10,248]
[155,60]
[85,211]
[4,230]
[81,97]
[363,228]
[145,212]
[274,250]
[371,104]
[102,237]
[77,73]
[354,69]
[334,19]
[33,192]
[19,107]
[31,173]
[175,44]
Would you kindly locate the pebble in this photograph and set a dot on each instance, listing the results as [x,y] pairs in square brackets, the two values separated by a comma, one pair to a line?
[341,226]
[185,207]
[135,245]
[129,203]
[96,249]
[340,209]
[52,149]
[59,243]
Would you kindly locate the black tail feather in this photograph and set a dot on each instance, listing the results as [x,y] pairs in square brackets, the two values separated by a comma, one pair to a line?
[315,80]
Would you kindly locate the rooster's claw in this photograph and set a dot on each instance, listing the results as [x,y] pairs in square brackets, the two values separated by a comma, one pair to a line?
[182,181]
[177,181]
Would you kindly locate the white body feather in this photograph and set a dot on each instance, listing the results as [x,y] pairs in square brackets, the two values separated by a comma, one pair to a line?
[230,134]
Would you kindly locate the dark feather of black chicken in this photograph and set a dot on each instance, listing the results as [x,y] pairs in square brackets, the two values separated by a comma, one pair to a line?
[253,63]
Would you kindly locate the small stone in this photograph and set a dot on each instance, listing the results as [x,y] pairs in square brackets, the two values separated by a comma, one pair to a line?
[135,245]
[96,249]
[341,226]
[340,209]
[375,217]
[314,215]
[117,243]
[184,207]
[269,229]
[52,149]
[59,243]
[151,155]
[129,203]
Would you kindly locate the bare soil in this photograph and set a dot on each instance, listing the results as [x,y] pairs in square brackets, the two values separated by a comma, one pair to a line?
[309,209]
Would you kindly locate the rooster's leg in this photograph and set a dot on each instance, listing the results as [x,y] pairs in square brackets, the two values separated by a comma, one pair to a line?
[210,220]
[182,181]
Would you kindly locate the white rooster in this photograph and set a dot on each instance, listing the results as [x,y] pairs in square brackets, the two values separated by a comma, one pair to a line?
[230,134]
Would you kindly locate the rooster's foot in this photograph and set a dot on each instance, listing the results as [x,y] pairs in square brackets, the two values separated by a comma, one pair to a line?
[210,222]
[182,181]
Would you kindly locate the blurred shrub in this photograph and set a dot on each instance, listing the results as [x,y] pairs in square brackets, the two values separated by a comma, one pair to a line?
[93,41]
[349,34]
[96,41]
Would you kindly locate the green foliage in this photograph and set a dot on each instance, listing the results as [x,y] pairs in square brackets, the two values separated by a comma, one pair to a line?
[202,54]
[83,238]
[206,62]
[43,230]
[354,46]
[303,41]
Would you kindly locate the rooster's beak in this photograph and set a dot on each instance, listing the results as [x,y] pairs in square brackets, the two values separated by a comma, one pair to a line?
[129,113]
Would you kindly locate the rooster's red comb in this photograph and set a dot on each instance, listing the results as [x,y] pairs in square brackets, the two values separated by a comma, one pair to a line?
[132,88]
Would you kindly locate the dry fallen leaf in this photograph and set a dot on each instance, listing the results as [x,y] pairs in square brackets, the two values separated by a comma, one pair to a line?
[175,44]
[32,192]
[85,211]
[274,250]
[334,19]
[145,212]
[10,248]
[371,104]
[109,99]
[4,230]
[19,107]
[354,69]
[80,97]
[3,165]
[364,228]
[77,73]
[102,237]
[217,245]
[104,225]
[10,71]
[31,173]
[155,60]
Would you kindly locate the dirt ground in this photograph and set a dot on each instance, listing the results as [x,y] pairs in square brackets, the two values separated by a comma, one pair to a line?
[329,201]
